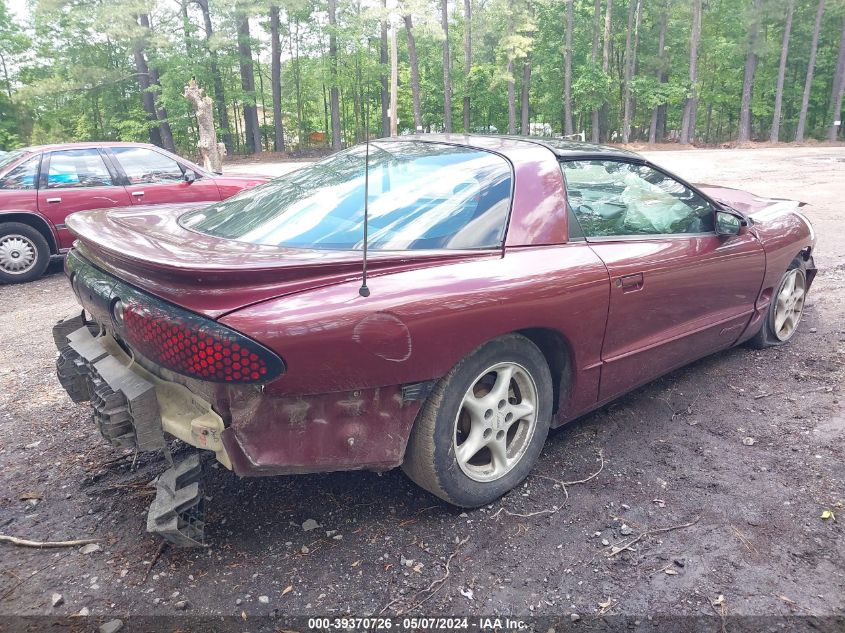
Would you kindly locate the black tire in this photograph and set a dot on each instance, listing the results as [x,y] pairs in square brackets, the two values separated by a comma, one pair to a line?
[767,337]
[430,458]
[42,252]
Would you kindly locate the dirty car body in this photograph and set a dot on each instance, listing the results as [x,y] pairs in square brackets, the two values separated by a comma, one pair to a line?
[615,270]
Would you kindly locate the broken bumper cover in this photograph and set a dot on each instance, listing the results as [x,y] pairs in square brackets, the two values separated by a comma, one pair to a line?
[133,408]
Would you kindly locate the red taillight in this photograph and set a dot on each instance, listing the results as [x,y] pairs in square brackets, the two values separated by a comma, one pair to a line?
[192,345]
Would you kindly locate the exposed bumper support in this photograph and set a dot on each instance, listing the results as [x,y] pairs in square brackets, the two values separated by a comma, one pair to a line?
[178,511]
[125,405]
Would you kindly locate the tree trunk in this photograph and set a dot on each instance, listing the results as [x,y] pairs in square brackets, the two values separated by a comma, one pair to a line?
[251,128]
[147,97]
[163,124]
[6,76]
[608,23]
[276,79]
[784,50]
[447,81]
[511,83]
[567,69]
[293,34]
[811,66]
[604,114]
[334,94]
[511,99]
[526,87]
[661,74]
[326,124]
[186,27]
[211,151]
[594,56]
[357,102]
[415,73]
[237,126]
[838,89]
[161,114]
[691,106]
[748,81]
[383,59]
[630,56]
[467,61]
[219,92]
[394,83]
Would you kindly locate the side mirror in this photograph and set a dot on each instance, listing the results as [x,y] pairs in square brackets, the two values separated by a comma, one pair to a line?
[729,223]
[190,176]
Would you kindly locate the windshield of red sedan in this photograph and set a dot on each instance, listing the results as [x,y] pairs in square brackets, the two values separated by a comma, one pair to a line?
[421,196]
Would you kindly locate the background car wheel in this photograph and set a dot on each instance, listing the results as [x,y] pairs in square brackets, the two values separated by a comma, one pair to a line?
[785,309]
[482,428]
[24,253]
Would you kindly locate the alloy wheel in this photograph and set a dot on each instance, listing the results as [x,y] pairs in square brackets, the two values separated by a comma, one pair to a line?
[789,304]
[495,422]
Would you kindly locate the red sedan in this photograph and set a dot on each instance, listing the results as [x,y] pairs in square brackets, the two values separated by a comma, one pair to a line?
[41,186]
[514,285]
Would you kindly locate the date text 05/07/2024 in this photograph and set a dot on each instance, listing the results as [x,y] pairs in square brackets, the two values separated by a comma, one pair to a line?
[458,623]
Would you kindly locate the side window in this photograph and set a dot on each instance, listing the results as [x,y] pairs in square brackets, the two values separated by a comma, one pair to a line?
[616,198]
[22,177]
[77,168]
[146,167]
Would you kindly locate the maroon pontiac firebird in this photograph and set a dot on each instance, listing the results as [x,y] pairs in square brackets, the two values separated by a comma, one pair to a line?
[514,284]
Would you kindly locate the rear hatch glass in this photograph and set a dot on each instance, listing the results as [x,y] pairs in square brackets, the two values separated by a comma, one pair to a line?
[420,195]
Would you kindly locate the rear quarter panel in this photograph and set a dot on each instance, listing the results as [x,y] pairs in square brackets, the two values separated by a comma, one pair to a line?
[416,325]
[340,403]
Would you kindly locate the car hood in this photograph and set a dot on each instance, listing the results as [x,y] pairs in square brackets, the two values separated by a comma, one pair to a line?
[147,247]
[244,180]
[758,207]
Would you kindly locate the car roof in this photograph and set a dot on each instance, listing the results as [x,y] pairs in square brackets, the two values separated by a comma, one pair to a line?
[561,147]
[566,148]
[61,146]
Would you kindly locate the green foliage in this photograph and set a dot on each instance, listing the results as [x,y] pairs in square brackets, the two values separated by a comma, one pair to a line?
[590,88]
[651,93]
[68,70]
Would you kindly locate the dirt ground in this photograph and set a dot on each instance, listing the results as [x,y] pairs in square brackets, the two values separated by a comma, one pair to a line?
[674,453]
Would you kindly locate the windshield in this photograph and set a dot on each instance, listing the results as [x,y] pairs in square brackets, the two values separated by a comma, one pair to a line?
[7,158]
[421,196]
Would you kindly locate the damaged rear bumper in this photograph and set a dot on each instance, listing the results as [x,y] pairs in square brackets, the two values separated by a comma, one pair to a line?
[125,407]
[133,408]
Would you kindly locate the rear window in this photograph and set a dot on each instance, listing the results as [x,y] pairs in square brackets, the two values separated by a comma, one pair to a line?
[7,158]
[421,196]
[21,177]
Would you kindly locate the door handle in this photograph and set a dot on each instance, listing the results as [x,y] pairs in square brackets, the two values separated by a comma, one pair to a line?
[137,194]
[630,283]
[53,200]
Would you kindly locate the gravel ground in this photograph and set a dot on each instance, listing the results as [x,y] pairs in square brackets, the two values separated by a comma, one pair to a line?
[674,454]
